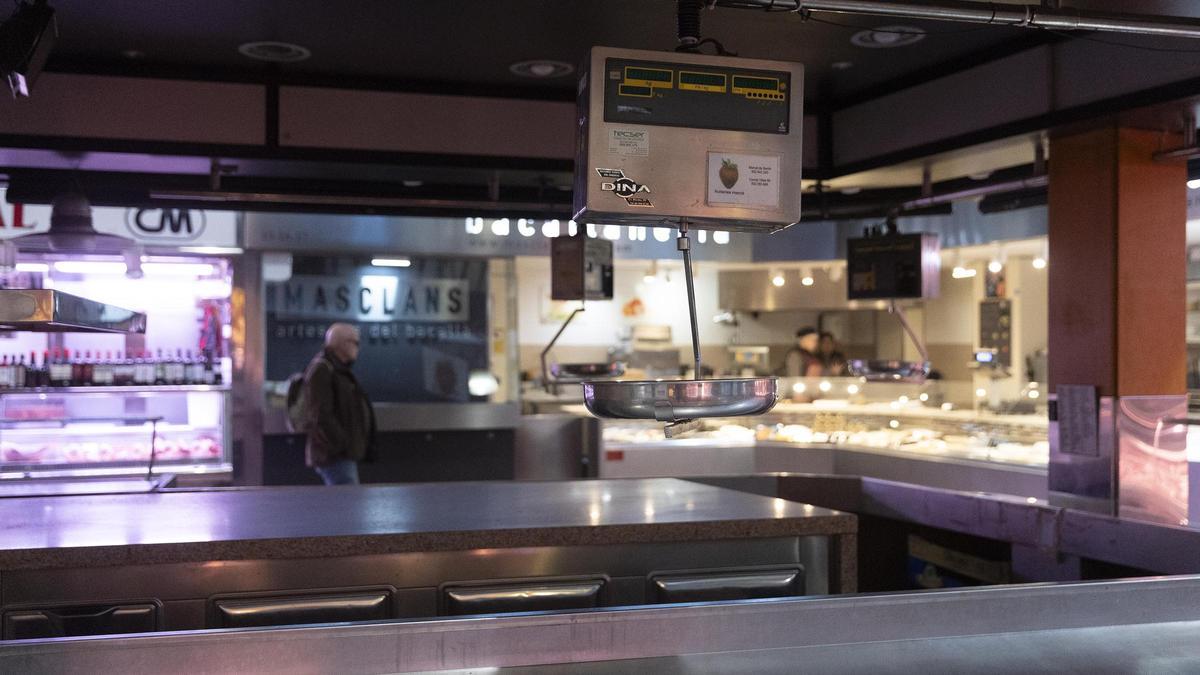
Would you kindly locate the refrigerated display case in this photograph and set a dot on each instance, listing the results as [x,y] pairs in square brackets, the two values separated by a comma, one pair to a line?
[846,426]
[114,431]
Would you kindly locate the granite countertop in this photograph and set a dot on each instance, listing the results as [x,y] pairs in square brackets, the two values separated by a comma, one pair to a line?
[309,522]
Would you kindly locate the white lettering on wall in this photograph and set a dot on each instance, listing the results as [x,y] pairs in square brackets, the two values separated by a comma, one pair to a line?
[502,227]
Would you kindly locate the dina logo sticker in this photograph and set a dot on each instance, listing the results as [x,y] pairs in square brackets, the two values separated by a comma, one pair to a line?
[624,187]
[728,173]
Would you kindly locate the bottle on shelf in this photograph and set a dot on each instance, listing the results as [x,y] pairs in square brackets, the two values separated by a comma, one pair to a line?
[76,364]
[102,370]
[178,369]
[122,377]
[145,366]
[160,369]
[87,368]
[110,366]
[189,368]
[210,373]
[60,370]
[34,375]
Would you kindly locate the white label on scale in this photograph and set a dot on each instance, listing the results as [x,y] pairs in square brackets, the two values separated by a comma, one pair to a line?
[629,142]
[743,180]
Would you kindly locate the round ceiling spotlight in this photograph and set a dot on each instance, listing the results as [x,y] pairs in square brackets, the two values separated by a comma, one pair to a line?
[274,52]
[541,68]
[842,65]
[887,37]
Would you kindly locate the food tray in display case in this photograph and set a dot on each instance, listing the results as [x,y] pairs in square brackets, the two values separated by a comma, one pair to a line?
[113,431]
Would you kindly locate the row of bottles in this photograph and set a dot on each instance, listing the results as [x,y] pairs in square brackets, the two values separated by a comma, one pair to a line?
[61,368]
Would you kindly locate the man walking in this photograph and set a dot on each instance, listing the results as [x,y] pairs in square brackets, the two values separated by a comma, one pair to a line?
[341,422]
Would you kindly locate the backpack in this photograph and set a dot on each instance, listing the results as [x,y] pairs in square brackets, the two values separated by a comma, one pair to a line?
[297,402]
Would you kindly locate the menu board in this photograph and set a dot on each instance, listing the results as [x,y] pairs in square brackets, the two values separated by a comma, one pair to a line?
[423,328]
[892,266]
[995,329]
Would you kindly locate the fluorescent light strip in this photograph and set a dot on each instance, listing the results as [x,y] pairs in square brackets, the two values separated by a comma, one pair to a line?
[212,250]
[152,268]
[391,262]
[33,267]
[178,269]
[89,267]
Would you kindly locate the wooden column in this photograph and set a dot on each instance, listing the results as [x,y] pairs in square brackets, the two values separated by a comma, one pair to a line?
[1117,263]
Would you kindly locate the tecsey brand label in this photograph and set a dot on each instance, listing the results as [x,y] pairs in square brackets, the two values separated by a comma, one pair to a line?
[624,187]
[630,142]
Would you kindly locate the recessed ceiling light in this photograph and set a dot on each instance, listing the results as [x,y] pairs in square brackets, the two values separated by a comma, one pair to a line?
[541,68]
[133,54]
[852,190]
[886,37]
[412,183]
[275,52]
[842,65]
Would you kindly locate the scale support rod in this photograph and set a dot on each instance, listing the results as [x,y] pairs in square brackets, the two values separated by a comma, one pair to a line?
[684,244]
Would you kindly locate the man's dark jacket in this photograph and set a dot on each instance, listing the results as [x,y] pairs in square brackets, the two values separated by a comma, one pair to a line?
[341,423]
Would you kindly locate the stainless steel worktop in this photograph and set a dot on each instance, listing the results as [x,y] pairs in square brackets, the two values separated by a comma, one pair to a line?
[1137,625]
[310,522]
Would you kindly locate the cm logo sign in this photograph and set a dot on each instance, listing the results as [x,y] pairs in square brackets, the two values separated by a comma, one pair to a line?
[165,224]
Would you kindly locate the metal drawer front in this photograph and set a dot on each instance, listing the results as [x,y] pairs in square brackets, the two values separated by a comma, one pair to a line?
[297,609]
[728,585]
[64,621]
[531,597]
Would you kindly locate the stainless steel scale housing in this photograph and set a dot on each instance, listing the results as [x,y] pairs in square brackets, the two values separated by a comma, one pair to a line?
[690,141]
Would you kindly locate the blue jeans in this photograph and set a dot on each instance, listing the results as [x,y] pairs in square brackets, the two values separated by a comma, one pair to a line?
[341,472]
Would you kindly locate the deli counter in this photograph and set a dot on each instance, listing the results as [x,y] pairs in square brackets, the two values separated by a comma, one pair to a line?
[91,432]
[891,431]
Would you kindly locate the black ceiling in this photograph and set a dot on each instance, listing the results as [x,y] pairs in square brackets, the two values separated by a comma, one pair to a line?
[468,45]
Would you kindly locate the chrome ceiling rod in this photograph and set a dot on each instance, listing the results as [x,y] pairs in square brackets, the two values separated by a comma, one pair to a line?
[1028,16]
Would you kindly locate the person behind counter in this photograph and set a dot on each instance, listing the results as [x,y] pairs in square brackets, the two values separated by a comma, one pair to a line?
[802,360]
[833,362]
[341,422]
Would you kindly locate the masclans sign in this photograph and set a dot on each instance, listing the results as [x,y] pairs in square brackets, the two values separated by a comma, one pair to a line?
[371,298]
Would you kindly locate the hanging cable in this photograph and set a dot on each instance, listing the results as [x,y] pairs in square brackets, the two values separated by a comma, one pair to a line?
[688,25]
[688,22]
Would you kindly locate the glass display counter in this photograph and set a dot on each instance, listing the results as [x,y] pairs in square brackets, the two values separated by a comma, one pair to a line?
[903,432]
[109,431]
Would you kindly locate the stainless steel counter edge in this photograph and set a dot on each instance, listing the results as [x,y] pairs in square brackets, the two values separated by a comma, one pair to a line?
[642,632]
[1029,469]
[1016,519]
[391,417]
[114,530]
[421,542]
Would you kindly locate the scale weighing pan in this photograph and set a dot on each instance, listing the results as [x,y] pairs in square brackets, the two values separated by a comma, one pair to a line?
[890,371]
[680,400]
[565,371]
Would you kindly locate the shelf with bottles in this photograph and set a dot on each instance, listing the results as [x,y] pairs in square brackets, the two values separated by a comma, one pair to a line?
[113,429]
[62,369]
